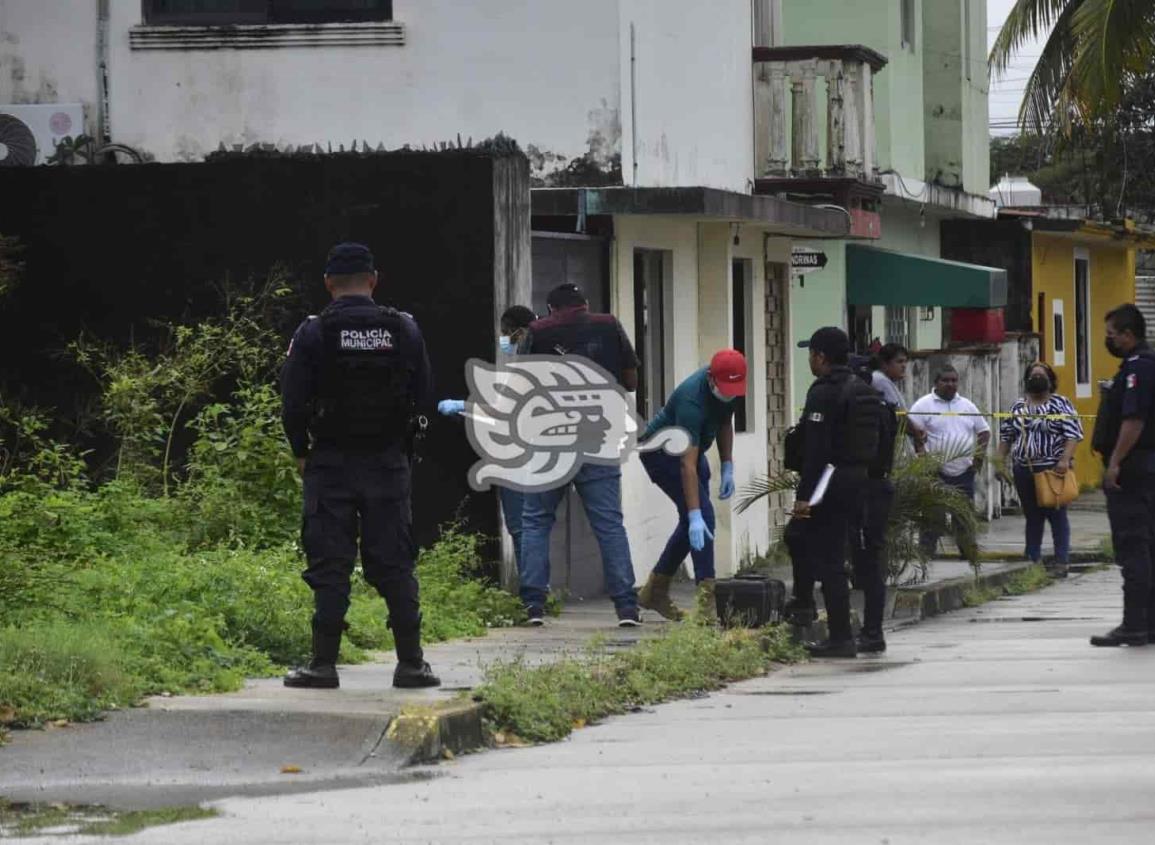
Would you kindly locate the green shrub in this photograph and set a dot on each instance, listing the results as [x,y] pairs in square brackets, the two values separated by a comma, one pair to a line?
[544,703]
[60,670]
[242,484]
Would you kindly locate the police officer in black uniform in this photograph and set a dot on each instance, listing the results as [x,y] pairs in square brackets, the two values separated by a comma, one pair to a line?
[1125,437]
[869,524]
[355,378]
[840,427]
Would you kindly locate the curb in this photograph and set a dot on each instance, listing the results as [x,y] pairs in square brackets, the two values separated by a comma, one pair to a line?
[438,732]
[913,604]
[431,733]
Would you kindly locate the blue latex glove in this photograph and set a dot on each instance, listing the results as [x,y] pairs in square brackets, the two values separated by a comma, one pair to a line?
[450,407]
[726,490]
[699,533]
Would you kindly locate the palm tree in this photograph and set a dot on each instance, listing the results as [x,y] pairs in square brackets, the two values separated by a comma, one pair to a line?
[1095,48]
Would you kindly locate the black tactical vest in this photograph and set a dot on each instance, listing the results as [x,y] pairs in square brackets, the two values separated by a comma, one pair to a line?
[860,435]
[1109,418]
[366,380]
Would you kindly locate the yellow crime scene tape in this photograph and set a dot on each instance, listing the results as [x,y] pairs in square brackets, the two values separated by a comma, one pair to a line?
[998,415]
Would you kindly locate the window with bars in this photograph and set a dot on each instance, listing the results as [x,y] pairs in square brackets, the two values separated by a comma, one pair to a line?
[231,12]
[898,324]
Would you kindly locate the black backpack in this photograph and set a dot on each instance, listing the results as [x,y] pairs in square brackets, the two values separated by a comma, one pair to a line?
[863,409]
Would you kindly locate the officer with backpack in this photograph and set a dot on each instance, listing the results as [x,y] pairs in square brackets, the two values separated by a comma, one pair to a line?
[840,428]
[869,523]
[353,382]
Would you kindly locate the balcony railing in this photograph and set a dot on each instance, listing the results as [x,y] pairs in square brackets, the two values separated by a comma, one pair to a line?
[787,93]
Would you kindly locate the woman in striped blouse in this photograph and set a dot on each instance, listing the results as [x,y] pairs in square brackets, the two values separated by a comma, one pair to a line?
[1036,441]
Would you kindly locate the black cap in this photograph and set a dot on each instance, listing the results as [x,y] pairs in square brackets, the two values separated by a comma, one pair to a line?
[831,341]
[347,259]
[565,296]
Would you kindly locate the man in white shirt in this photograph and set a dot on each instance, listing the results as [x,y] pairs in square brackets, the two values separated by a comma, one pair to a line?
[953,429]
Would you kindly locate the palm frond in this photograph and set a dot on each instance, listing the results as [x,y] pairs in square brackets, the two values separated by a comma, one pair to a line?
[1046,93]
[1114,42]
[762,487]
[1027,20]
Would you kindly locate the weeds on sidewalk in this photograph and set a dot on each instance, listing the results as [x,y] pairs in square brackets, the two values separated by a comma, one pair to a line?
[53,820]
[1025,581]
[545,703]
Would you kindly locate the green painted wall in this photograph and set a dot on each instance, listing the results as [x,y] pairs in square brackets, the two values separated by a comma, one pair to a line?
[821,299]
[955,91]
[898,89]
[815,300]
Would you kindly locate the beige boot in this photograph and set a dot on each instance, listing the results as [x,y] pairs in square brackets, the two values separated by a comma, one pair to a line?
[706,606]
[655,596]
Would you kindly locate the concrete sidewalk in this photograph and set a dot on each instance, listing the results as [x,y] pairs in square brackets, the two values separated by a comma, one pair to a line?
[188,749]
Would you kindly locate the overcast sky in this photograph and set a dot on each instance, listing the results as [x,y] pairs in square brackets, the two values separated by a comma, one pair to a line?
[1007,91]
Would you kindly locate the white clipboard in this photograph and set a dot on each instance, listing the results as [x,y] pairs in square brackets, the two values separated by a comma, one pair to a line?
[820,488]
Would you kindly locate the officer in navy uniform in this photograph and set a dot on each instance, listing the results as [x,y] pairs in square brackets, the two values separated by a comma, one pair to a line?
[1125,437]
[869,524]
[355,378]
[840,427]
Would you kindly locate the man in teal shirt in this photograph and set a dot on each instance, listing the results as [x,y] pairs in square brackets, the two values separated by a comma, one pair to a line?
[703,405]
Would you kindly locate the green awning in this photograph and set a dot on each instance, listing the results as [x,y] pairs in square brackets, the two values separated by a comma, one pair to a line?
[882,277]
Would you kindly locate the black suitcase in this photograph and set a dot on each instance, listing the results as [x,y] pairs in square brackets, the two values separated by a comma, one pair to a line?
[750,601]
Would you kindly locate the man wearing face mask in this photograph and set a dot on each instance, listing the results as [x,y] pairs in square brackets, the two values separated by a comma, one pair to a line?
[1125,437]
[703,405]
[514,324]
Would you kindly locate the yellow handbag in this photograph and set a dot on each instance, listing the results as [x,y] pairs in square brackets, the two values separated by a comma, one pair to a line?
[1051,489]
[1055,491]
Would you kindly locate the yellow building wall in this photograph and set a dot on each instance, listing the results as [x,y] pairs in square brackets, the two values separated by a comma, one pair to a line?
[1112,282]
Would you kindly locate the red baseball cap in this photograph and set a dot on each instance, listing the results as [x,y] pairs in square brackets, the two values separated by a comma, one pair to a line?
[728,369]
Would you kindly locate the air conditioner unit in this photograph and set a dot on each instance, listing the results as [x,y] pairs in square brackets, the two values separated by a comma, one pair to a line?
[29,134]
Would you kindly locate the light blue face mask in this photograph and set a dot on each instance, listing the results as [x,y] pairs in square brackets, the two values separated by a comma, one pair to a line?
[506,344]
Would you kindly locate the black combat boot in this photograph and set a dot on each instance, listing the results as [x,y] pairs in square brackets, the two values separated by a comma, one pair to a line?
[799,612]
[412,671]
[870,642]
[1134,629]
[1121,636]
[833,648]
[321,673]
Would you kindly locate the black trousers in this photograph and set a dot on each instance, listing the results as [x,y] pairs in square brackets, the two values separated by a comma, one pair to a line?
[867,545]
[1131,511]
[361,501]
[818,547]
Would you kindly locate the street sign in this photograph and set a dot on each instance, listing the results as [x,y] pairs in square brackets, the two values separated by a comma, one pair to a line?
[806,260]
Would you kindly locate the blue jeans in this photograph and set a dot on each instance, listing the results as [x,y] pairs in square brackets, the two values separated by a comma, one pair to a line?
[1036,518]
[666,472]
[600,488]
[966,484]
[512,505]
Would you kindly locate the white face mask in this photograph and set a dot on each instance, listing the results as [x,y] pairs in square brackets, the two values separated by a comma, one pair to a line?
[506,344]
